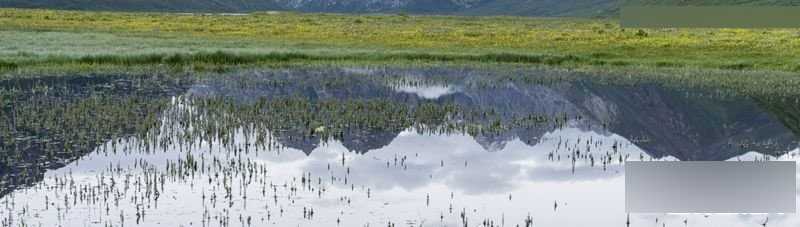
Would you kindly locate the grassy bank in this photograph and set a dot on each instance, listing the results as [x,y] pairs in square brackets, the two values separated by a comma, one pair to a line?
[236,59]
[33,38]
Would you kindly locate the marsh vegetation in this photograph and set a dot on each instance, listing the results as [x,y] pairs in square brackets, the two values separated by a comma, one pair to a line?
[290,119]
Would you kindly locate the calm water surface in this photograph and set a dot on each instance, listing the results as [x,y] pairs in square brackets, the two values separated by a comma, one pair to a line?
[364,147]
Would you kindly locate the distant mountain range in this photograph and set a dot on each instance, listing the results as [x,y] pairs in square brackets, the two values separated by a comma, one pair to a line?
[579,8]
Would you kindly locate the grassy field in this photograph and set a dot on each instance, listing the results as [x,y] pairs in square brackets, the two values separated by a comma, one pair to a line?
[33,38]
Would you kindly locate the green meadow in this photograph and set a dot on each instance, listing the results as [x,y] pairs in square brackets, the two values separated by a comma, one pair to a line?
[41,37]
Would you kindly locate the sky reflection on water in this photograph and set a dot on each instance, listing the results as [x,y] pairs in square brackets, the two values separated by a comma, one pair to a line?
[555,176]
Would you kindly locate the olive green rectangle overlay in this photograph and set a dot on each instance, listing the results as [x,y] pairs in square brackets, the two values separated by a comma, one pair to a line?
[710,16]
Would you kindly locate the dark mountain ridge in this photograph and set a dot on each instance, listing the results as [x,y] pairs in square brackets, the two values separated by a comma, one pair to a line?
[579,8]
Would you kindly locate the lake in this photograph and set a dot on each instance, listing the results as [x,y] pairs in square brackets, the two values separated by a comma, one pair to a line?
[365,146]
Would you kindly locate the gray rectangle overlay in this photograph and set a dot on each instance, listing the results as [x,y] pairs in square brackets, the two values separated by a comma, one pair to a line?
[710,187]
[710,16]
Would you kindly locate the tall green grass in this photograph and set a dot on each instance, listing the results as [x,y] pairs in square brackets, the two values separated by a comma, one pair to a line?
[227,58]
[7,65]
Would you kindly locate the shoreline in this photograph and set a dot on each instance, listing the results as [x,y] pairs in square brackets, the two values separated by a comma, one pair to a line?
[770,84]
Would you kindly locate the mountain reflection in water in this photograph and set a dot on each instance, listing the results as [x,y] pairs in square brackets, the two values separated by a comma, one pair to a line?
[429,146]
